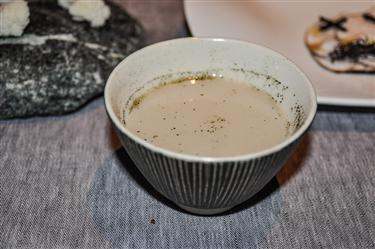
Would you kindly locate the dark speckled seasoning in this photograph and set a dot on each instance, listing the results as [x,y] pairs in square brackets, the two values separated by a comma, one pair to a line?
[60,64]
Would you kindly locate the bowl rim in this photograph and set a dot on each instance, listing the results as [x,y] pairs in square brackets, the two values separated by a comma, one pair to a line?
[208,159]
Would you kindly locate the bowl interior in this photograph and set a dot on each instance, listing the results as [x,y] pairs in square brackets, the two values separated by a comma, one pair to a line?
[250,63]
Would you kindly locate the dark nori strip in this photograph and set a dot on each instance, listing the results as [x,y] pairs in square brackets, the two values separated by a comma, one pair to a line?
[353,51]
[369,17]
[326,24]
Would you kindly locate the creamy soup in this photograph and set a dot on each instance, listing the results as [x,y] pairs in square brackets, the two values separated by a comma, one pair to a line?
[216,117]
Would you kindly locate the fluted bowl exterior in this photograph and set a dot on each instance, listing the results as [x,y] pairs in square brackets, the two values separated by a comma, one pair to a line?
[201,184]
[205,185]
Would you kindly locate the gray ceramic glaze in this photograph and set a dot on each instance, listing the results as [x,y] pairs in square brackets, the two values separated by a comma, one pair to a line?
[209,185]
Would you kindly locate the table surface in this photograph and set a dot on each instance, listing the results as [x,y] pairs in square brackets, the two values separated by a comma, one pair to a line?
[63,183]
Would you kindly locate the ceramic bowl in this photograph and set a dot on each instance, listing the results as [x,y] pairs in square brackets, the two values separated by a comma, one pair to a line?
[209,185]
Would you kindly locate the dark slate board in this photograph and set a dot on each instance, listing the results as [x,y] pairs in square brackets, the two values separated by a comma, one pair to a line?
[59,64]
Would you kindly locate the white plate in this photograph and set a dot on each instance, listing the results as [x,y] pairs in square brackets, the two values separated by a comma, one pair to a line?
[280,25]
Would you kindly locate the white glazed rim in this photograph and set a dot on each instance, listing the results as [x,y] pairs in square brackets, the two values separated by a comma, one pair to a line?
[186,157]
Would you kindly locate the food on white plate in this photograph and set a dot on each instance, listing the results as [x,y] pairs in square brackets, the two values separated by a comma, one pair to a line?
[14,17]
[345,43]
